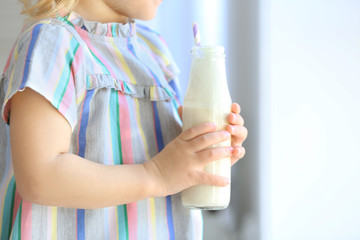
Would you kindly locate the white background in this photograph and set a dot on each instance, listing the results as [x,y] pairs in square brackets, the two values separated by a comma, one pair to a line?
[310,119]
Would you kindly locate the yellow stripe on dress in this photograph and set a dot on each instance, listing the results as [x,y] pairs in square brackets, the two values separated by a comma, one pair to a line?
[53,223]
[123,62]
[151,200]
[153,217]
[155,49]
[10,85]
[39,23]
[80,98]
[117,224]
[16,55]
[63,67]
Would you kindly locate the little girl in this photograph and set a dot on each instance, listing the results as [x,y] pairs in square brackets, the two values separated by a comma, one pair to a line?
[91,143]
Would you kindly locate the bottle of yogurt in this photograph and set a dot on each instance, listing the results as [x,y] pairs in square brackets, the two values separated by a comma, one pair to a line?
[207,99]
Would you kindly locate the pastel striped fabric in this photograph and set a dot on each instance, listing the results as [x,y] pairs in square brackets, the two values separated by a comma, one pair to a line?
[116,86]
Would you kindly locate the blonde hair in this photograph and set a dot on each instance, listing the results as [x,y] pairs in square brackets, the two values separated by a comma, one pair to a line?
[47,8]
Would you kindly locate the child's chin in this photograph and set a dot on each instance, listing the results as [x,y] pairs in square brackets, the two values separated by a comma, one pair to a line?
[147,16]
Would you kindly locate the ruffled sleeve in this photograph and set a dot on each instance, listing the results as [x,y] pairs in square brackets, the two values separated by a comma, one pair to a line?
[46,59]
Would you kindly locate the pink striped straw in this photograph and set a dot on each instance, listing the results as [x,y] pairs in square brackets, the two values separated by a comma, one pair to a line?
[196,34]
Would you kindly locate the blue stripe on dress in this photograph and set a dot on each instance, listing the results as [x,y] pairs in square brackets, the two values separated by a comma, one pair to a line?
[159,138]
[160,145]
[34,37]
[80,213]
[176,89]
[80,221]
[84,122]
[170,218]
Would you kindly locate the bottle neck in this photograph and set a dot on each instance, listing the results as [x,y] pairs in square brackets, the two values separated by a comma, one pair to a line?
[208,52]
[207,83]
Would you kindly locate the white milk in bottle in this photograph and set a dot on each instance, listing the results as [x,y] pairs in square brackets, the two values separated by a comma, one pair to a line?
[207,99]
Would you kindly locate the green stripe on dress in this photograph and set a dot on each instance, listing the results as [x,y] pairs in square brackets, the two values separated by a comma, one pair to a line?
[8,210]
[65,76]
[16,231]
[118,158]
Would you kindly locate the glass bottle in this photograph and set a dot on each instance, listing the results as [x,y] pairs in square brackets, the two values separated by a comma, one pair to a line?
[207,99]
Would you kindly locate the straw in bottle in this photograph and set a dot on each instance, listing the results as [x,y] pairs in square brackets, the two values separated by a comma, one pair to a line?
[196,34]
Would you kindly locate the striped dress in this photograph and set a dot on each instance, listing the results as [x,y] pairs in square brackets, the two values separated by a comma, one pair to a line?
[116,86]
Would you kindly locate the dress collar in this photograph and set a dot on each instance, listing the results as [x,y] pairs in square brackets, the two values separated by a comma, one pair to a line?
[111,29]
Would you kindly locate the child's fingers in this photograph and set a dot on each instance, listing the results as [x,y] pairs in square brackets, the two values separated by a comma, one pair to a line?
[235,108]
[213,154]
[180,110]
[197,130]
[211,179]
[238,153]
[235,119]
[238,132]
[206,140]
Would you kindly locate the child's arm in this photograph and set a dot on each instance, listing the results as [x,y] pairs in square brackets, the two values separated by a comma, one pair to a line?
[47,174]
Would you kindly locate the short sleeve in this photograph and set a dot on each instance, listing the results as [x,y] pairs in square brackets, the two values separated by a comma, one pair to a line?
[46,60]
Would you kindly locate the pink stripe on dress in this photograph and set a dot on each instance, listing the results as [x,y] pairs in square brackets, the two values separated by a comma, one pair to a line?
[85,37]
[127,154]
[56,73]
[77,61]
[109,33]
[26,220]
[9,58]
[11,53]
[125,130]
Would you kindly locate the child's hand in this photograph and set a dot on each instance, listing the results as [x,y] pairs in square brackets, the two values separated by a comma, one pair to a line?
[181,163]
[238,132]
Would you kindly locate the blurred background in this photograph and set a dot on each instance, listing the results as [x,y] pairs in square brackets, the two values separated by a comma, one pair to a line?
[294,66]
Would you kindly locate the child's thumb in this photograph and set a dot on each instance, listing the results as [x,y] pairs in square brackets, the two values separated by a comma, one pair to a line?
[180,110]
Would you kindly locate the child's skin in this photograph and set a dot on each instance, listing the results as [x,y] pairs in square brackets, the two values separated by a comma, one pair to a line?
[47,174]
